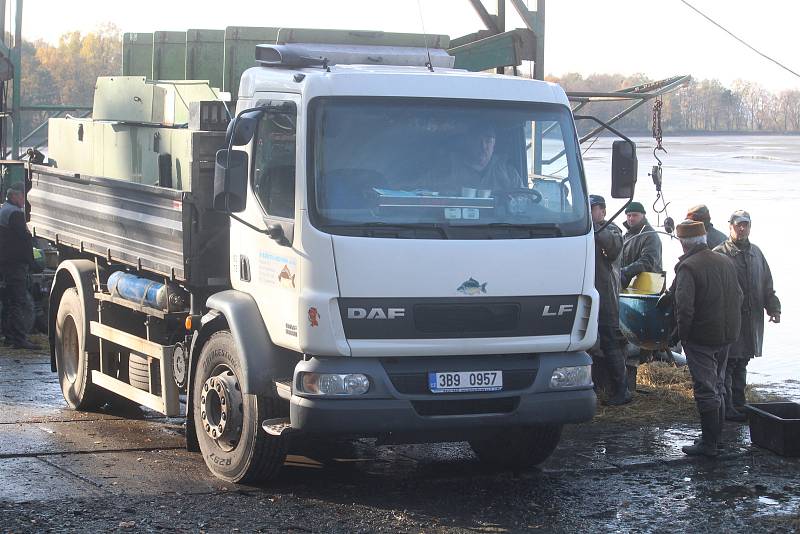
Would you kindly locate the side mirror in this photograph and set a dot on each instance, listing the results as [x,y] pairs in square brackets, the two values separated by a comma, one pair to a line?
[624,168]
[242,129]
[230,181]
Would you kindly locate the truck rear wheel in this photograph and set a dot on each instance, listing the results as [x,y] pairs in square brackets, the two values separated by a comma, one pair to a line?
[228,422]
[73,363]
[518,448]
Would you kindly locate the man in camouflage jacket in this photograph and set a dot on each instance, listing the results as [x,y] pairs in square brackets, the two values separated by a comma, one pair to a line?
[755,279]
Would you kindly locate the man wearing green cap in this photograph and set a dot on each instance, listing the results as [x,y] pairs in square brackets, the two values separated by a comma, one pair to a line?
[607,246]
[641,251]
[755,278]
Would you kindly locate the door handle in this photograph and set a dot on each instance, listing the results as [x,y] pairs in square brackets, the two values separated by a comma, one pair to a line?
[244,268]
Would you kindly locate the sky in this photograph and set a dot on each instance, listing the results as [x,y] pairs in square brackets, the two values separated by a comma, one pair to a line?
[658,38]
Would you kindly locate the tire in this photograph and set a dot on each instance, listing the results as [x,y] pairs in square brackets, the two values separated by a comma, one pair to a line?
[138,372]
[518,448]
[73,363]
[242,452]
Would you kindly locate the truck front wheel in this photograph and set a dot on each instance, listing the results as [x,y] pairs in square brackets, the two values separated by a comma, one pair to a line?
[518,448]
[228,422]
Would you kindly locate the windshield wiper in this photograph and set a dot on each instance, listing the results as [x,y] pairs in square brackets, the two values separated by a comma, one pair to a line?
[535,229]
[439,229]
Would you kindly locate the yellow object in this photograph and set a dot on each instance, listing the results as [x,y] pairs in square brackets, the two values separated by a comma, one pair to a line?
[648,284]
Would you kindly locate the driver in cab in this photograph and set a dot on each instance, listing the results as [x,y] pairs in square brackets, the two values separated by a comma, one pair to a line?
[477,166]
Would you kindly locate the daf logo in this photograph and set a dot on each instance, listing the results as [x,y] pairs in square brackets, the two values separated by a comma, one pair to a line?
[375,313]
[562,309]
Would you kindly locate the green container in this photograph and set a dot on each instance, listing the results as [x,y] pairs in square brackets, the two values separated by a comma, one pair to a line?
[205,55]
[137,54]
[169,56]
[240,53]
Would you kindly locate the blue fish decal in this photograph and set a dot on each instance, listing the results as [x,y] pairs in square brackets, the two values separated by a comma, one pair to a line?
[472,287]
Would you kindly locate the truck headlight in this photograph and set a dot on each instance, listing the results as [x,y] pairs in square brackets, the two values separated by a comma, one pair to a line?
[571,377]
[334,384]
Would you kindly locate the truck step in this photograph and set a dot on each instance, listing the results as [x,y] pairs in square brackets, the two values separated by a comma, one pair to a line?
[278,426]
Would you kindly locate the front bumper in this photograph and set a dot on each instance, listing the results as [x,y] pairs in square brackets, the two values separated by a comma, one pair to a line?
[399,405]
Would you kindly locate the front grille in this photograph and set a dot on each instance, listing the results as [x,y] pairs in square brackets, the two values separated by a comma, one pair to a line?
[466,406]
[417,383]
[461,318]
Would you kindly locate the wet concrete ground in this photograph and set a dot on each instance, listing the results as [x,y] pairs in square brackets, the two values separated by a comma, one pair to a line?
[66,471]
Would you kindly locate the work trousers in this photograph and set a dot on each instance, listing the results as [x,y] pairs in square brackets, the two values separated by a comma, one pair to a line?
[707,367]
[613,358]
[15,301]
[735,382]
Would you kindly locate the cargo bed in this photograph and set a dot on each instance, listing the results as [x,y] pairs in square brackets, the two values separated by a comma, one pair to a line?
[164,231]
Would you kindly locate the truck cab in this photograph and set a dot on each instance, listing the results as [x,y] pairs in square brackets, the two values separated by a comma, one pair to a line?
[422,237]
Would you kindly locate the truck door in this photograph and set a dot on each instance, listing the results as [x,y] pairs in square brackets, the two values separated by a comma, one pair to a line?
[264,267]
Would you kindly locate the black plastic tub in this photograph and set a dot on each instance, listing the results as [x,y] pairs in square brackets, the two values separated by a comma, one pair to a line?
[775,426]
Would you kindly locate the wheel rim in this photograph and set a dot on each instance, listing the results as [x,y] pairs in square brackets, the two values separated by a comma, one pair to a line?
[70,349]
[222,408]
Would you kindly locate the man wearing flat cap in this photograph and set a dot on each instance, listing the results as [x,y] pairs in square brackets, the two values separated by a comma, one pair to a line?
[707,299]
[642,249]
[755,278]
[607,249]
[16,259]
[700,213]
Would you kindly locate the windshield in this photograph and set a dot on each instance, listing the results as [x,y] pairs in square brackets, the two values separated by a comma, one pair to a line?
[390,167]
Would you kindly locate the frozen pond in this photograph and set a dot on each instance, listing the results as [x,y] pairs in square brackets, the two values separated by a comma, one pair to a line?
[760,174]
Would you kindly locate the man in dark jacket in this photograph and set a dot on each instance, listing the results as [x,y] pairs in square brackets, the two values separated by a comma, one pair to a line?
[707,299]
[607,248]
[642,247]
[700,213]
[755,278]
[16,258]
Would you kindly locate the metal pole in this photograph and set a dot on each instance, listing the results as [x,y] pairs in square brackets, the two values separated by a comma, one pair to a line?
[535,23]
[538,65]
[3,120]
[501,25]
[3,20]
[16,60]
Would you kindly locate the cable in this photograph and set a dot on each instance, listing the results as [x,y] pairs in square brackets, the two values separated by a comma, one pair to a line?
[427,50]
[582,154]
[718,25]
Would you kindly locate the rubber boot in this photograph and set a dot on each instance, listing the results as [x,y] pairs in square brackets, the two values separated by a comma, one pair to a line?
[621,397]
[707,446]
[618,378]
[721,419]
[622,394]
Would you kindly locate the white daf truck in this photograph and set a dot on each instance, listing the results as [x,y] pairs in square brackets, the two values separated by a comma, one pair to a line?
[379,245]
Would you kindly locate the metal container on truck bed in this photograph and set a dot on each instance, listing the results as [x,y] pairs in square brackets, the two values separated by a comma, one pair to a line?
[130,152]
[141,131]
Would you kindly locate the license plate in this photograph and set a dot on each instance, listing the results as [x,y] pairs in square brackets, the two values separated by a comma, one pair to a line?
[465,381]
